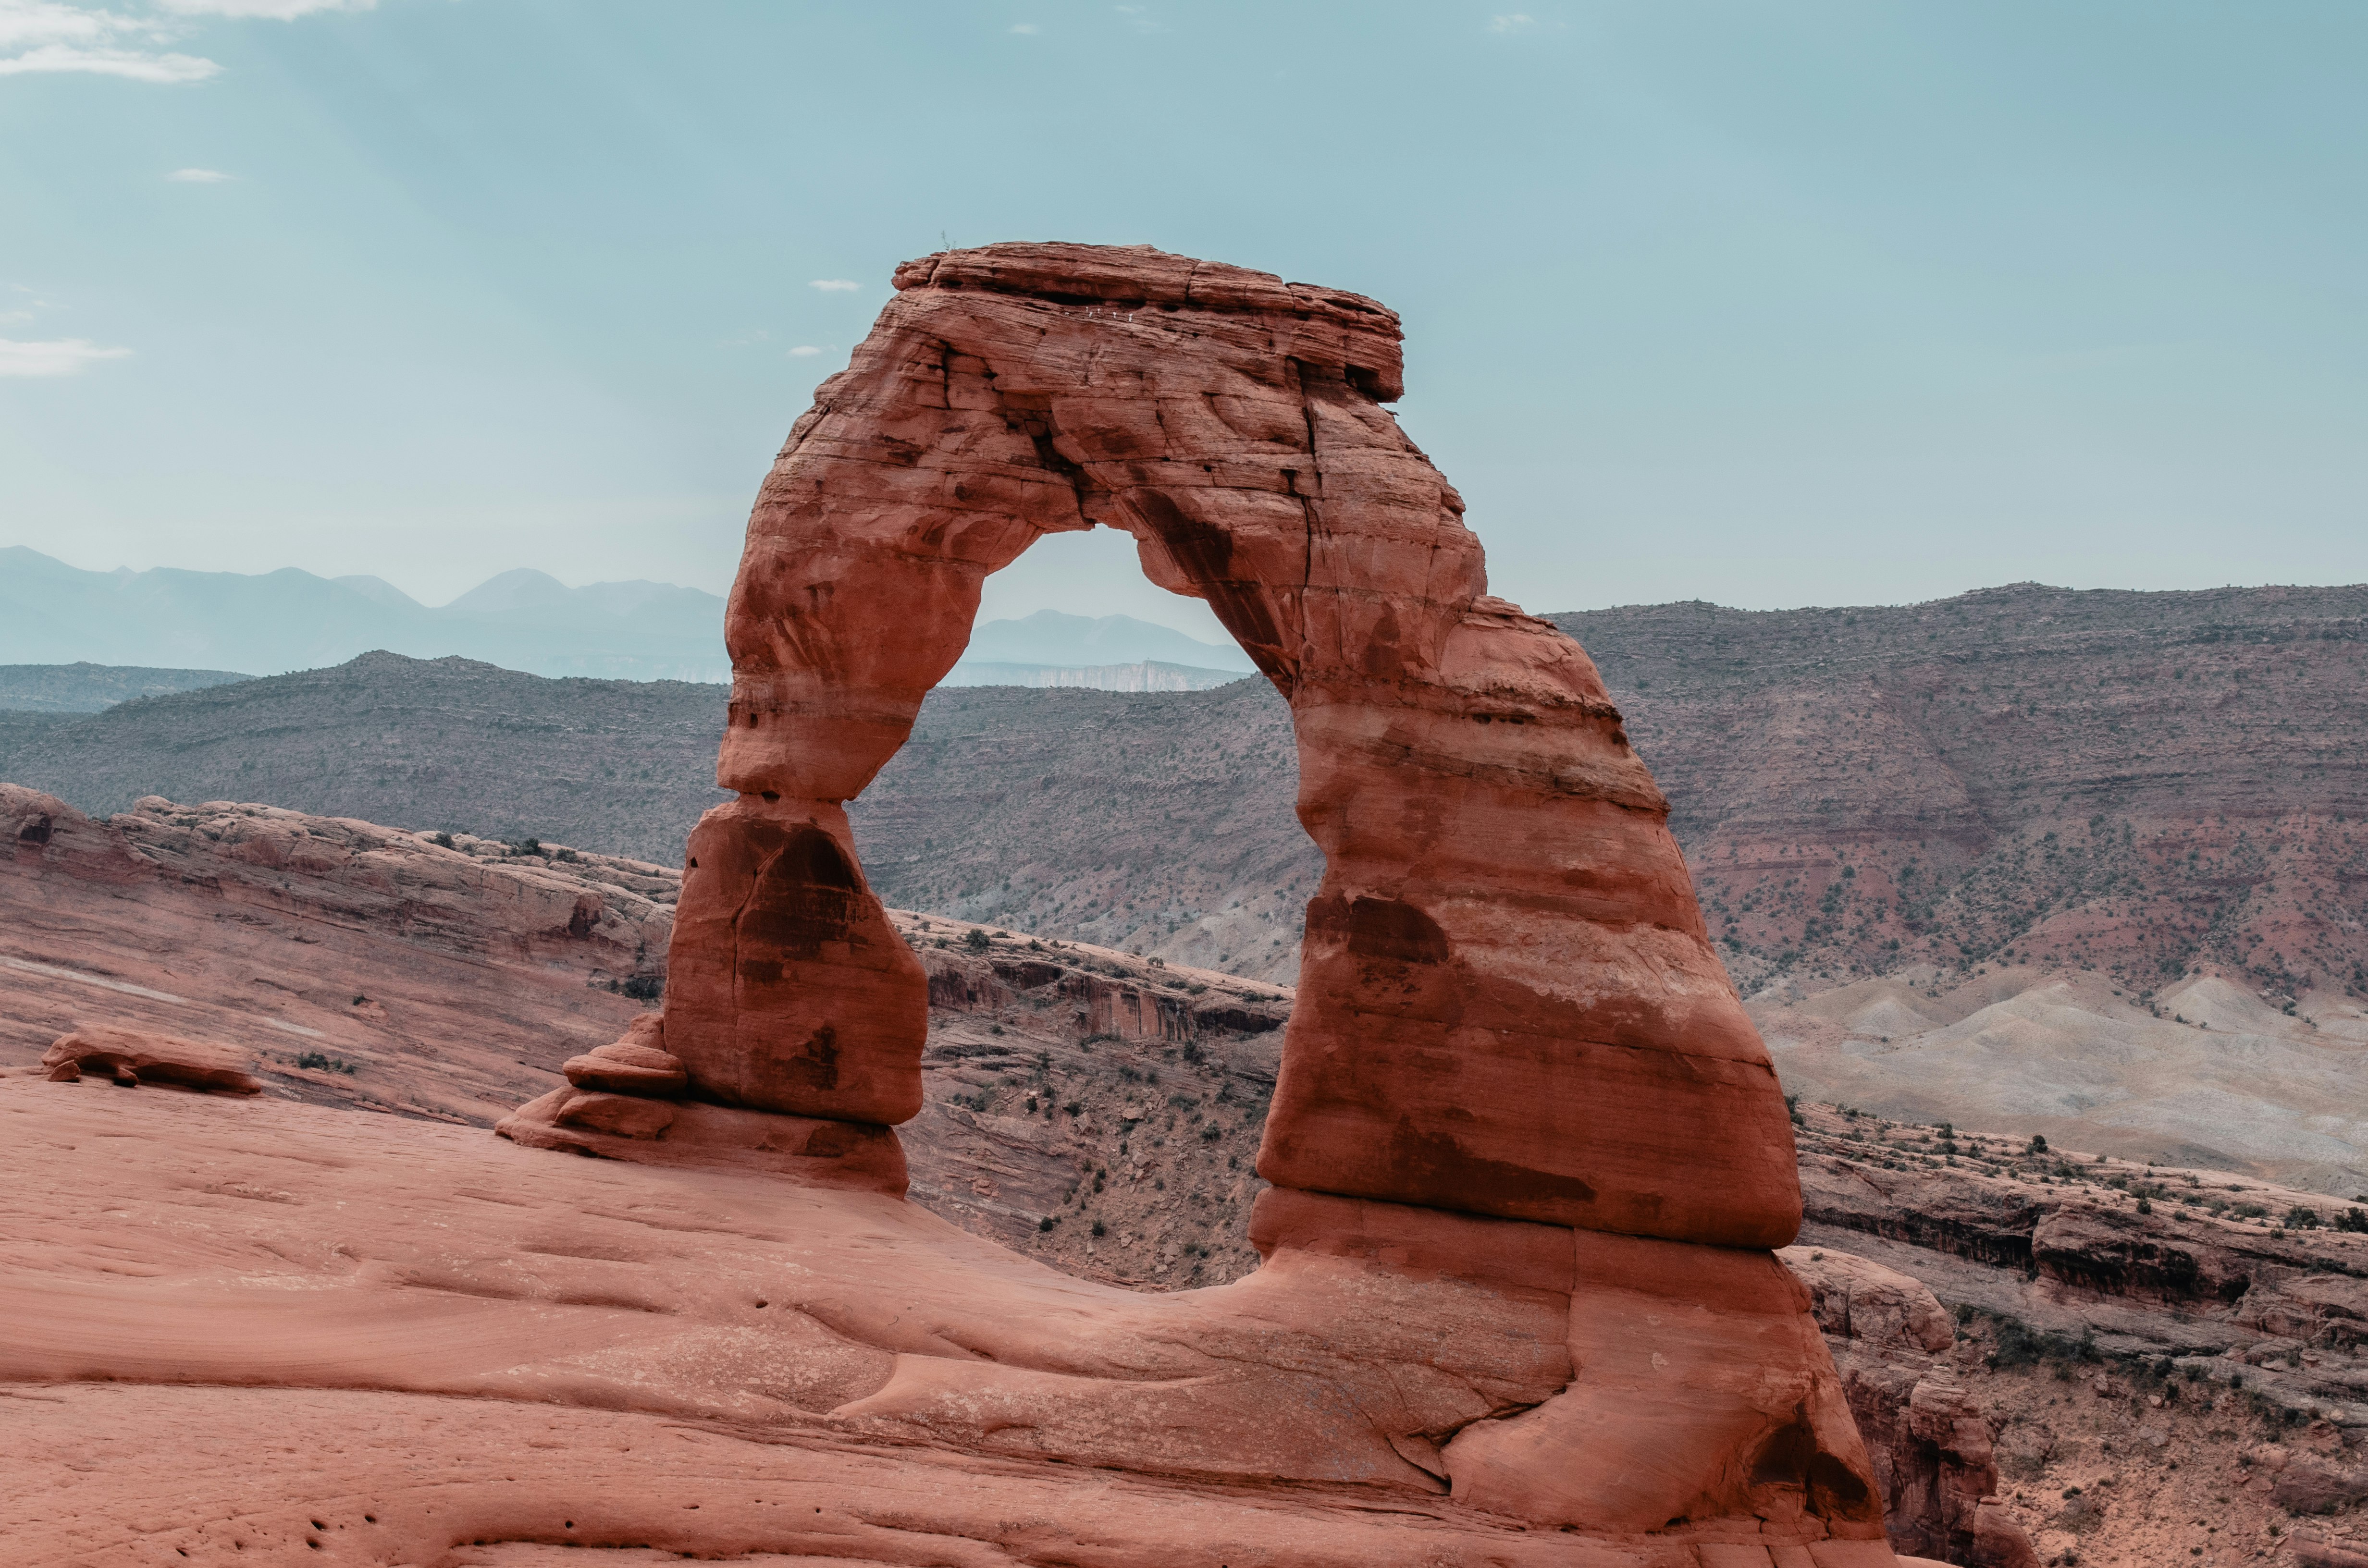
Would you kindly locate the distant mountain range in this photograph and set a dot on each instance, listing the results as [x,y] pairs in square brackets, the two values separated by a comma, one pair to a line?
[53,615]
[1111,653]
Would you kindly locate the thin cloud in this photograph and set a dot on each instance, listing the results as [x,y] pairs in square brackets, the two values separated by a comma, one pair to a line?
[199,177]
[49,37]
[55,36]
[128,63]
[1026,28]
[1514,22]
[58,356]
[804,351]
[268,10]
[836,285]
[1140,18]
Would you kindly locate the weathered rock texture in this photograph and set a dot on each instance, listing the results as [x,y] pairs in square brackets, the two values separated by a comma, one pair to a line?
[265,1325]
[134,1057]
[338,960]
[1510,1022]
[1505,931]
[1929,1438]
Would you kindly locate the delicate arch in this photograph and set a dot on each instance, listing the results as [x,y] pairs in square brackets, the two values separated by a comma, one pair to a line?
[1508,1005]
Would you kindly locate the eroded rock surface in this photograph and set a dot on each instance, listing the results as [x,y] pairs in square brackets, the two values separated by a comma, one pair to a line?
[1504,915]
[1931,1442]
[347,962]
[134,1057]
[1508,1011]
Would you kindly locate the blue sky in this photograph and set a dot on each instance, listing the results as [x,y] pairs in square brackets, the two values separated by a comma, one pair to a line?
[1769,305]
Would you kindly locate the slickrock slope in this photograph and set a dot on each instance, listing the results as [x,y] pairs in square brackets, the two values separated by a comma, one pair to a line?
[253,1331]
[356,964]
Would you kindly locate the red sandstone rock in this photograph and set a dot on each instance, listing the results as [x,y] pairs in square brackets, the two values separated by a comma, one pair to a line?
[1930,1444]
[440,981]
[1506,932]
[794,993]
[636,1063]
[1511,1037]
[631,1126]
[1702,1391]
[2312,1552]
[132,1057]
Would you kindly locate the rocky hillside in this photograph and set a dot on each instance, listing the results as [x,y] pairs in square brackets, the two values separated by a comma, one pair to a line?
[2152,789]
[441,745]
[2144,785]
[361,965]
[1156,821]
[2165,1364]
[1159,822]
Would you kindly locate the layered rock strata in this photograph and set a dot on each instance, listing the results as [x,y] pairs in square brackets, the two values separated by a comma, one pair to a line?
[1515,1065]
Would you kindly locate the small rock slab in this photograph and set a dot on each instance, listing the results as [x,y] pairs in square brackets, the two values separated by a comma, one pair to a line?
[134,1057]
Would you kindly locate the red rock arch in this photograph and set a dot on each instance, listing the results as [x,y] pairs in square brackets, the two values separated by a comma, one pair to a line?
[1508,1005]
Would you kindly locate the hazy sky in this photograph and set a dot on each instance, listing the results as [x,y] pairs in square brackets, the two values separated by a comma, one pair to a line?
[1769,305]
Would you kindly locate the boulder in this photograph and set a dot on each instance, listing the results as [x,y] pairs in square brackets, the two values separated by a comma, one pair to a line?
[2302,1487]
[134,1057]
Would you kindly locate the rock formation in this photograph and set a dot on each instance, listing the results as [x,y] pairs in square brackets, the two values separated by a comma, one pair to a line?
[1515,1066]
[134,1057]
[1930,1445]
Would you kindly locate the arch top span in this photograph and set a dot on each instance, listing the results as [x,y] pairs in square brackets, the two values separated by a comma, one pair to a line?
[1508,1005]
[1230,421]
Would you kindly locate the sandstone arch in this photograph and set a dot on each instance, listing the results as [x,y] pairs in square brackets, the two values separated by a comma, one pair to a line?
[1529,1155]
[1508,1005]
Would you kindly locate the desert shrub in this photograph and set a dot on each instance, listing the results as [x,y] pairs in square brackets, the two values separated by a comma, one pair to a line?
[975,940]
[644,987]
